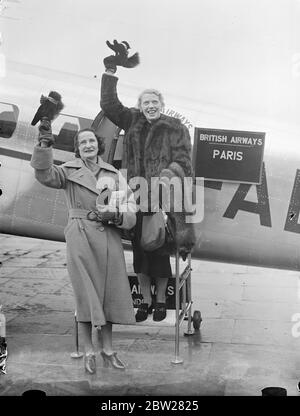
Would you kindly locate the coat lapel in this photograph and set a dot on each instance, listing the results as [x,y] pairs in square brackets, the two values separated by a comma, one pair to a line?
[83,176]
[162,122]
[132,148]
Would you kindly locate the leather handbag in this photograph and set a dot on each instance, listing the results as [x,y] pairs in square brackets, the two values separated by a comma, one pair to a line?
[153,231]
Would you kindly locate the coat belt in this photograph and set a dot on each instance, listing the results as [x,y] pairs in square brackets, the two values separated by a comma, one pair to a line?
[85,214]
[78,213]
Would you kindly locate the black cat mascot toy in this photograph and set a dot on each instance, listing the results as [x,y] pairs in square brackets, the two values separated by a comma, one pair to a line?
[121,57]
[49,109]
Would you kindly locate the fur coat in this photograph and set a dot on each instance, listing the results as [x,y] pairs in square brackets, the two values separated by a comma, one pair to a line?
[166,153]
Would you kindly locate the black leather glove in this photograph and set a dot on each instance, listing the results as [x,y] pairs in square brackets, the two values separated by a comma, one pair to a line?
[110,63]
[46,138]
[107,216]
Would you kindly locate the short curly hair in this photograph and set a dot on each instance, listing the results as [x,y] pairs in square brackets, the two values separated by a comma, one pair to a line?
[100,140]
[150,91]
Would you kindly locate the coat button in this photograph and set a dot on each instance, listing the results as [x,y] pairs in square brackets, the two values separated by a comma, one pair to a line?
[101,228]
[78,204]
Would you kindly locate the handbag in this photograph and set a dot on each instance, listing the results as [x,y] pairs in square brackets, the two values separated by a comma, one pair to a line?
[153,231]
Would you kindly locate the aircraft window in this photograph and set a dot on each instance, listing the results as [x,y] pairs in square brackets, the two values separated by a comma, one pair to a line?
[9,114]
[64,129]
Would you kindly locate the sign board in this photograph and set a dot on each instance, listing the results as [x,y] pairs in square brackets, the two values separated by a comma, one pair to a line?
[228,155]
[137,297]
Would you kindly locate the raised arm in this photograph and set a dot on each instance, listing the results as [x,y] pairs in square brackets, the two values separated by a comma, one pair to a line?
[42,158]
[45,171]
[110,103]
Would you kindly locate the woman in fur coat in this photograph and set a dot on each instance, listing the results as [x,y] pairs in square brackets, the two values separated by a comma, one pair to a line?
[155,145]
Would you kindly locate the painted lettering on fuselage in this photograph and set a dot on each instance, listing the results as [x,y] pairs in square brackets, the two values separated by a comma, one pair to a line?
[239,202]
[261,207]
[291,223]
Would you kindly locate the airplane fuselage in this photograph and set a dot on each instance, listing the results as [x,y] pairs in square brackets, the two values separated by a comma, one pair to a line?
[242,223]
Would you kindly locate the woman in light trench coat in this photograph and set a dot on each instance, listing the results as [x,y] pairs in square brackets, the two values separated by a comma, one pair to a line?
[95,257]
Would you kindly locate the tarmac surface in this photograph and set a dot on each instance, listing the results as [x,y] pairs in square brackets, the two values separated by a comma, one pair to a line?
[248,339]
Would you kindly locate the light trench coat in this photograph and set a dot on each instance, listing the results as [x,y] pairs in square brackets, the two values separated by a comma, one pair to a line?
[95,257]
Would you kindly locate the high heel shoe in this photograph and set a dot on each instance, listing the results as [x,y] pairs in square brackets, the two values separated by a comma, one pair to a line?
[111,360]
[90,363]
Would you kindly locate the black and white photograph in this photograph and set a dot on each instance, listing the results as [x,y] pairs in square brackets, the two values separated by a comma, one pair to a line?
[149,201]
